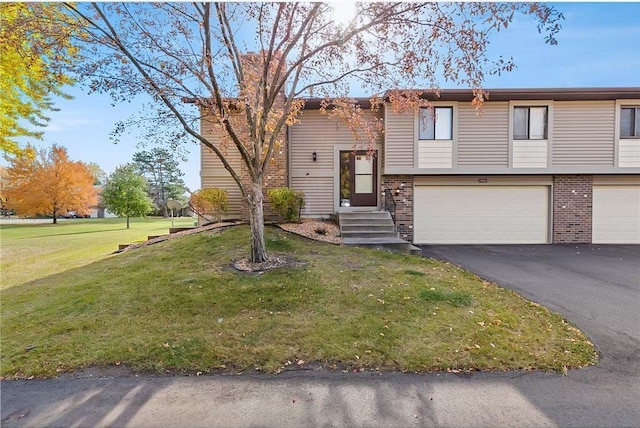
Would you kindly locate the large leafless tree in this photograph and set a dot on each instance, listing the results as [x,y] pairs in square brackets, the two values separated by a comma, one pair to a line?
[174,51]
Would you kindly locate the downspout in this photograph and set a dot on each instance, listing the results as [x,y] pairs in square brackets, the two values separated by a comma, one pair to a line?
[288,156]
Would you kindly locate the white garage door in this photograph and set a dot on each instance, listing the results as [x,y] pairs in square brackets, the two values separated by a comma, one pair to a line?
[481,214]
[616,214]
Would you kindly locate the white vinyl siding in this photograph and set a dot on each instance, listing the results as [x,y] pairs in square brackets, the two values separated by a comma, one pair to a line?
[435,154]
[483,137]
[583,133]
[616,214]
[530,153]
[502,214]
[629,153]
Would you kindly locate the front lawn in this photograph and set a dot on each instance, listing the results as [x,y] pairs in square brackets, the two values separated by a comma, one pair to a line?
[178,306]
[33,251]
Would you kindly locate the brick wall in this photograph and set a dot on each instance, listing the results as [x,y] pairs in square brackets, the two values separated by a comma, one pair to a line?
[274,176]
[404,202]
[572,208]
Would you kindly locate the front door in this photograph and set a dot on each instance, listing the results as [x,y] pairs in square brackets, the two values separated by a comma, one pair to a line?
[358,179]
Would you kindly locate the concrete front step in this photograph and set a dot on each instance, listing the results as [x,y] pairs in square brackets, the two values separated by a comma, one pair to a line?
[364,222]
[369,234]
[397,245]
[364,215]
[356,227]
[373,229]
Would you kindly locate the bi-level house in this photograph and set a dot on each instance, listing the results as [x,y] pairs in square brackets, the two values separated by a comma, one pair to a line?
[536,166]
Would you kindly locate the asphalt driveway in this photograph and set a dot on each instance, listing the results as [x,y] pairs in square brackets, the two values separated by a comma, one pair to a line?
[596,287]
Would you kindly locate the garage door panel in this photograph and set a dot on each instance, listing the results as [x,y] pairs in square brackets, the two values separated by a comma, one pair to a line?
[481,214]
[616,214]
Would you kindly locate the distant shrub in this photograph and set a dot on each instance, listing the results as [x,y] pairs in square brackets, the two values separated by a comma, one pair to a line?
[211,203]
[287,202]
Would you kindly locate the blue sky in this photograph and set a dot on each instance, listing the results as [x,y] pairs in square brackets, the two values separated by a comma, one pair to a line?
[599,46]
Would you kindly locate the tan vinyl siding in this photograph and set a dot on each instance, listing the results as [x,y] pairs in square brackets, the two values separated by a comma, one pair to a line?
[210,163]
[483,139]
[318,193]
[316,132]
[399,139]
[583,133]
[213,173]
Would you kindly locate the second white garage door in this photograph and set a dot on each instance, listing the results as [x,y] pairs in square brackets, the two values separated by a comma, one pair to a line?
[481,214]
[616,214]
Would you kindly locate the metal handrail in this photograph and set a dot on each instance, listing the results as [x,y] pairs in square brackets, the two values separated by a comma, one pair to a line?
[390,204]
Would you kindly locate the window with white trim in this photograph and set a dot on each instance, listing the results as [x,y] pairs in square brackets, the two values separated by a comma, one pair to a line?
[530,122]
[435,123]
[629,122]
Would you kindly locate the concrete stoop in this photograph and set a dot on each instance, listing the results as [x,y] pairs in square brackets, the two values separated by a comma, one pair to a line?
[373,229]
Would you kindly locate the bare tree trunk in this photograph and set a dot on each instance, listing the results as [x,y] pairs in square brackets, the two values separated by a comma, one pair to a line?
[127,222]
[256,220]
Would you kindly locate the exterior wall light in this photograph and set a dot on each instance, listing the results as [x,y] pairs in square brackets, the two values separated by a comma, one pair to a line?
[314,156]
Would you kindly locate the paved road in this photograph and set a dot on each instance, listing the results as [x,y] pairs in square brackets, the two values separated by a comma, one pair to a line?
[595,287]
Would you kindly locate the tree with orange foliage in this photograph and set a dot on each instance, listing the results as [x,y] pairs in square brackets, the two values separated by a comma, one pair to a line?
[48,183]
[197,51]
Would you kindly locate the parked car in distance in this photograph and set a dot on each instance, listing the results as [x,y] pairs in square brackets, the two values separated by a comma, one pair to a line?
[74,214]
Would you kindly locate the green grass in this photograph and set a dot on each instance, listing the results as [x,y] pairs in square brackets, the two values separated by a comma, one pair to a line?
[33,251]
[178,306]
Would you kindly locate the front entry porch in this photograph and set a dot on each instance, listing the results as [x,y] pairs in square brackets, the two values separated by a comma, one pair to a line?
[366,227]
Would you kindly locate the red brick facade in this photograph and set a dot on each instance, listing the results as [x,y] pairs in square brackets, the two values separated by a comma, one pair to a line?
[404,202]
[572,209]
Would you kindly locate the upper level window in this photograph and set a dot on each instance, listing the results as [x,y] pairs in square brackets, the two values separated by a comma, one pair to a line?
[530,123]
[630,122]
[435,123]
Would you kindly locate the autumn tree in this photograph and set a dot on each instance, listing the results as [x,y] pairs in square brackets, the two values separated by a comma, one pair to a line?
[125,193]
[211,204]
[161,169]
[197,52]
[47,182]
[36,54]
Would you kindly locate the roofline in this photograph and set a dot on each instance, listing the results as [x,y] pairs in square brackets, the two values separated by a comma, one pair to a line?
[504,94]
[314,103]
[555,94]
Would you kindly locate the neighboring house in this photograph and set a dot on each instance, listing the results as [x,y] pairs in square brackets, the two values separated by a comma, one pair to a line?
[537,166]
